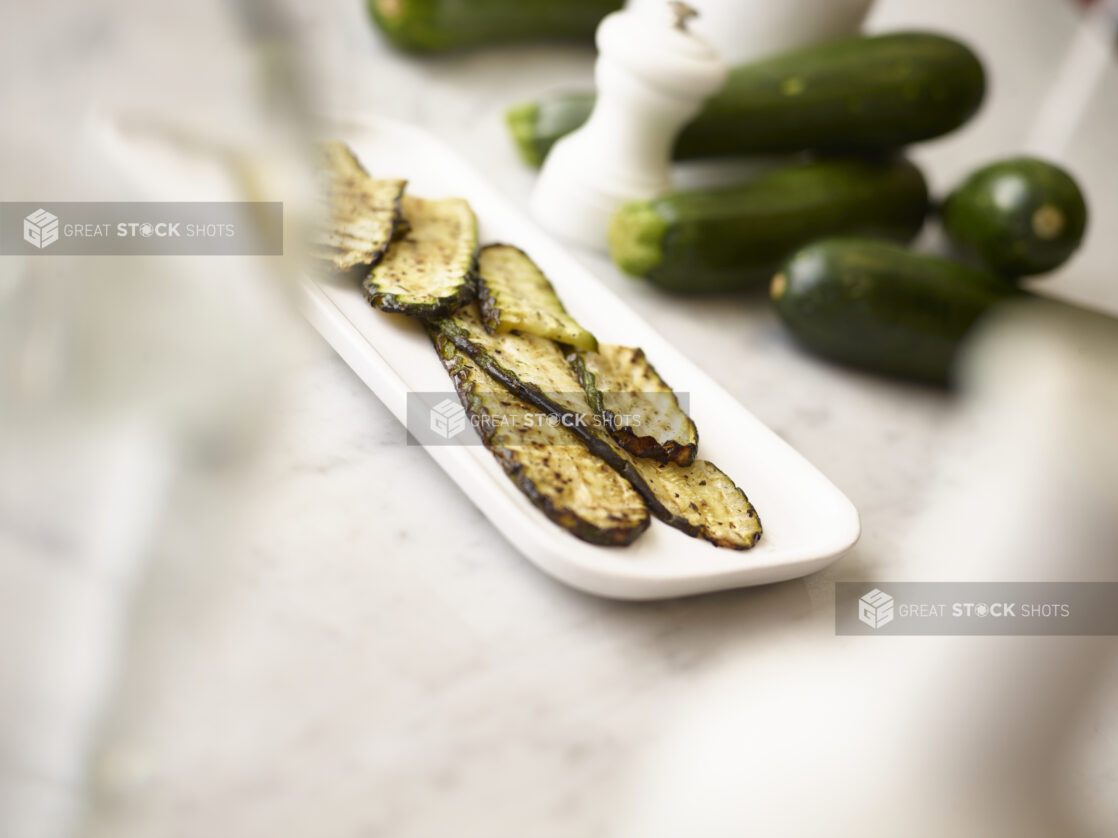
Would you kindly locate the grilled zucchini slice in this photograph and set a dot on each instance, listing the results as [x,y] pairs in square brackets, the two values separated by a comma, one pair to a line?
[364,211]
[514,294]
[571,486]
[535,370]
[706,502]
[635,403]
[429,271]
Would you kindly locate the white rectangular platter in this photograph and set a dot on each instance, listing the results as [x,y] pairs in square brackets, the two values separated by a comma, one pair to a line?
[807,522]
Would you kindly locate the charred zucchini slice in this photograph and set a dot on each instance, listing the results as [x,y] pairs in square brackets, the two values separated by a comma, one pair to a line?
[571,486]
[639,408]
[429,271]
[705,500]
[535,370]
[364,211]
[531,367]
[514,294]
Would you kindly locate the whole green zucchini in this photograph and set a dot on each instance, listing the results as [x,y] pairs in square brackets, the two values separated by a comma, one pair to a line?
[433,26]
[733,239]
[1019,217]
[855,93]
[882,307]
[537,126]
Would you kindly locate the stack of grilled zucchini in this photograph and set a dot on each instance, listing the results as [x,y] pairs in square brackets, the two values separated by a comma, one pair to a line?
[589,432]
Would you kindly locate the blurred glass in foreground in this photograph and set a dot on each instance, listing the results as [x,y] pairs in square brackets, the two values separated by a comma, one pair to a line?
[935,736]
[133,390]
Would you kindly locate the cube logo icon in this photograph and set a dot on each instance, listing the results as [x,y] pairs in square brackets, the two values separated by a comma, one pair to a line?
[875,609]
[40,228]
[448,418]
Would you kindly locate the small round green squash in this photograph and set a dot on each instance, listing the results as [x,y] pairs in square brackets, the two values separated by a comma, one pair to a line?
[1021,216]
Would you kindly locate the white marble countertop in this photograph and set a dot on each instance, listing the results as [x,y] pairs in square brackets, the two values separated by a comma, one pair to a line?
[368,657]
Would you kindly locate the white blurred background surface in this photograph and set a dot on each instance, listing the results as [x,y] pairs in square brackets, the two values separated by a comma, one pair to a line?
[233,603]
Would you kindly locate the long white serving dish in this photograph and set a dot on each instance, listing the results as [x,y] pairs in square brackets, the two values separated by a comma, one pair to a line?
[808,522]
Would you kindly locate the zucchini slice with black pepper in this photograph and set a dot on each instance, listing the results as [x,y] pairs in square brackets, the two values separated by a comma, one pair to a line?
[364,211]
[705,499]
[639,408]
[535,370]
[429,272]
[514,294]
[570,485]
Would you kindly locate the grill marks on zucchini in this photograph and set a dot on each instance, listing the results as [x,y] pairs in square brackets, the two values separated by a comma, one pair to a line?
[425,260]
[514,294]
[531,367]
[705,500]
[573,487]
[429,272]
[640,409]
[535,370]
[364,211]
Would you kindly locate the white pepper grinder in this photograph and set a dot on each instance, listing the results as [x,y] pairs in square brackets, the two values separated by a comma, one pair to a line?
[749,30]
[653,76]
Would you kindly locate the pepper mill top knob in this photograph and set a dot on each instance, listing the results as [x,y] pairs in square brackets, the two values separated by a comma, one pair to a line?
[656,47]
[683,13]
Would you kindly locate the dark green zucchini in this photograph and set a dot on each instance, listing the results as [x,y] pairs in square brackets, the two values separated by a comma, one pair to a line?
[433,26]
[636,404]
[1019,217]
[514,294]
[536,126]
[570,485]
[859,93]
[732,239]
[430,271]
[703,502]
[882,307]
[364,211]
